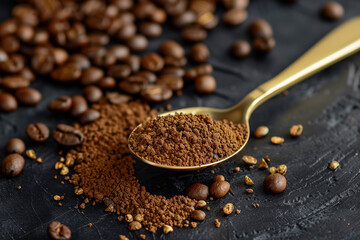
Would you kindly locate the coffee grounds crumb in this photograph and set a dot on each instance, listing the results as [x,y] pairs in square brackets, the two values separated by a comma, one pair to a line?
[212,172]
[187,140]
[217,223]
[60,204]
[82,206]
[19,187]
[143,236]
[193,224]
[238,211]
[90,224]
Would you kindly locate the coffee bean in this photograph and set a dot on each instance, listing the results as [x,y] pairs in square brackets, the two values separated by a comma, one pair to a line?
[88,116]
[219,189]
[193,34]
[69,72]
[58,231]
[15,145]
[264,45]
[92,51]
[127,31]
[8,27]
[152,62]
[81,60]
[28,96]
[175,8]
[133,61]
[179,72]
[9,44]
[121,52]
[79,105]
[119,71]
[60,105]
[38,132]
[117,98]
[175,62]
[171,81]
[41,37]
[132,85]
[25,33]
[42,61]
[199,53]
[93,94]
[27,74]
[137,43]
[158,16]
[60,55]
[67,135]
[98,38]
[150,77]
[198,215]
[219,178]
[275,183]
[331,11]
[3,56]
[91,75]
[14,64]
[197,191]
[12,165]
[8,102]
[200,7]
[195,72]
[240,49]
[261,132]
[107,83]
[235,16]
[150,29]
[156,93]
[260,28]
[106,60]
[14,82]
[172,48]
[208,21]
[184,19]
[205,84]
[239,4]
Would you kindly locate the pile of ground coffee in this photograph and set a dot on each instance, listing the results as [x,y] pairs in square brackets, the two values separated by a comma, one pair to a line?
[187,140]
[105,170]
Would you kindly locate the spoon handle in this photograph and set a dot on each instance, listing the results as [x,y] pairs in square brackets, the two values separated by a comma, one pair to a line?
[338,44]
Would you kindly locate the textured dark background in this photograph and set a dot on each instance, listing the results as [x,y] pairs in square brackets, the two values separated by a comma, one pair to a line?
[317,204]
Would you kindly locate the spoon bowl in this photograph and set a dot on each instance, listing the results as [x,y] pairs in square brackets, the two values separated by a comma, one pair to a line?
[338,44]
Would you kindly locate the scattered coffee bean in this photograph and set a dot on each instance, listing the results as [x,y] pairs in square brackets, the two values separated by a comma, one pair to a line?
[117,98]
[120,72]
[235,16]
[242,4]
[275,183]
[240,49]
[60,55]
[197,191]
[249,190]
[199,53]
[171,81]
[69,72]
[260,28]
[28,96]
[107,83]
[81,60]
[264,45]
[193,34]
[248,181]
[88,116]
[249,160]
[228,208]
[219,178]
[14,82]
[151,29]
[175,62]
[137,43]
[205,84]
[8,102]
[198,215]
[277,140]
[334,165]
[38,132]
[156,93]
[93,94]
[296,130]
[67,135]
[79,105]
[60,105]
[14,64]
[152,62]
[57,231]
[195,72]
[91,75]
[12,165]
[176,71]
[332,11]
[261,132]
[219,189]
[15,145]
[172,48]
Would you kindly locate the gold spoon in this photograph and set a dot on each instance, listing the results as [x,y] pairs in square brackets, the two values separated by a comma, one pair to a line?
[338,44]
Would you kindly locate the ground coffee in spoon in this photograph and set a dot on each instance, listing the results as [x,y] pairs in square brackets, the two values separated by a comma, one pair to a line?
[187,140]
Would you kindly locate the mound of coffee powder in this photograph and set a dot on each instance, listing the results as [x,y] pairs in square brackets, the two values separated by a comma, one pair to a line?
[187,140]
[105,170]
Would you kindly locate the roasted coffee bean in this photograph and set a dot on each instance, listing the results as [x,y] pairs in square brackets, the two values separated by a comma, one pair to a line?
[67,135]
[12,165]
[98,38]
[175,62]
[171,81]
[197,191]
[121,52]
[137,43]
[264,45]
[158,16]
[81,60]
[176,7]
[93,94]
[42,61]
[195,72]
[9,44]
[14,64]
[60,55]
[205,84]
[143,9]
[219,178]
[127,31]
[8,102]
[193,34]
[28,96]
[58,231]
[184,19]
[240,49]
[172,48]
[106,60]
[150,29]
[199,53]
[275,183]
[260,28]
[132,85]
[200,7]
[37,132]
[219,189]
[91,75]
[156,93]
[208,20]
[176,71]
[88,116]
[3,56]
[14,82]
[119,71]
[41,37]
[240,4]
[69,72]
[133,61]
[27,74]
[60,105]
[117,98]
[25,33]
[332,11]
[235,16]
[261,131]
[198,215]
[149,76]
[79,105]
[107,83]
[152,62]
[15,145]
[8,27]
[92,51]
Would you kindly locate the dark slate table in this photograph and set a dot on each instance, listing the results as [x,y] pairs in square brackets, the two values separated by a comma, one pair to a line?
[317,204]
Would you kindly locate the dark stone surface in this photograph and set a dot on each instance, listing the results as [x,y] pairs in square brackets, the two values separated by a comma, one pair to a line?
[317,204]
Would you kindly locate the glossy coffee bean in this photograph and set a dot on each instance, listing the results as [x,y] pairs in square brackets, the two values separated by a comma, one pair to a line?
[137,43]
[58,231]
[127,31]
[208,21]
[235,16]
[193,34]
[332,11]
[41,37]
[93,94]
[198,215]
[107,83]
[195,72]
[275,183]
[12,165]
[205,84]
[240,4]
[156,93]
[14,82]
[150,29]
[132,85]
[199,53]
[175,62]
[171,81]
[88,116]
[150,77]
[176,71]
[152,62]
[8,102]
[219,189]
[158,16]
[105,60]
[81,60]
[42,61]
[117,98]
[264,45]
[172,48]
[8,27]
[91,75]
[69,72]
[200,7]
[25,33]
[184,19]
[28,96]
[260,28]
[37,132]
[67,135]
[121,71]
[9,44]
[15,145]
[98,38]
[14,64]
[143,9]
[79,105]
[240,49]
[121,52]
[3,56]
[92,51]
[60,55]
[60,105]
[197,191]
[27,74]
[133,61]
